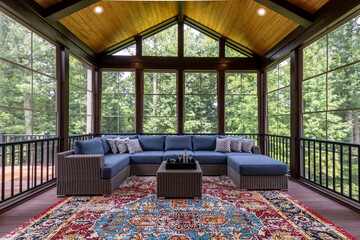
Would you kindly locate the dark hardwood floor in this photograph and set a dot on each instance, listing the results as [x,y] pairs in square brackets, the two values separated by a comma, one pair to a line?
[340,215]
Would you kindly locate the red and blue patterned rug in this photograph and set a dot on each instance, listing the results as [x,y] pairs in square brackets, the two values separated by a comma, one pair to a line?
[224,212]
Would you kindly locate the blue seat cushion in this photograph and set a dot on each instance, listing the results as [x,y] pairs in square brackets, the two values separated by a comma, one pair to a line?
[92,146]
[147,157]
[204,142]
[257,165]
[210,157]
[114,163]
[178,143]
[152,143]
[171,153]
[238,154]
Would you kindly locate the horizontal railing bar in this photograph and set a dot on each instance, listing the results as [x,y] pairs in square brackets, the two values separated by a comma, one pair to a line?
[332,142]
[274,135]
[29,141]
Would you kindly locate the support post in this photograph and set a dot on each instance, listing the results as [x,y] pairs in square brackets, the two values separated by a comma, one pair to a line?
[221,47]
[180,101]
[97,88]
[62,62]
[262,109]
[139,92]
[296,115]
[181,39]
[221,101]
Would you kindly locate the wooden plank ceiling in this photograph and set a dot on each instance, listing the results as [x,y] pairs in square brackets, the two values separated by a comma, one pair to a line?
[235,19]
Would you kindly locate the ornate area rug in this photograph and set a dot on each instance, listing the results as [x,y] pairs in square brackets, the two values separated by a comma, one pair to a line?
[224,212]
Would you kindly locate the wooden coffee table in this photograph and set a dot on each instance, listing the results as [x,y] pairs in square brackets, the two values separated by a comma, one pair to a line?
[179,183]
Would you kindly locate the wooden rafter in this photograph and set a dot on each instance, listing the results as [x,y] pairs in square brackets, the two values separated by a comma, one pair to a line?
[65,8]
[181,12]
[289,10]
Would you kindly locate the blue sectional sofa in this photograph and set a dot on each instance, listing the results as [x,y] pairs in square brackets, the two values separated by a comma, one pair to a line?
[108,170]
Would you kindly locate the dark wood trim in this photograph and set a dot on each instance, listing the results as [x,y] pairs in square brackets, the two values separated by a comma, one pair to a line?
[296,109]
[139,46]
[221,101]
[190,63]
[139,102]
[221,47]
[181,12]
[97,76]
[262,108]
[66,8]
[29,12]
[180,101]
[289,10]
[181,39]
[151,31]
[326,17]
[63,96]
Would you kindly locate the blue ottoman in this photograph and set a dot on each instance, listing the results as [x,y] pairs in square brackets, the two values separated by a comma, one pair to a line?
[257,172]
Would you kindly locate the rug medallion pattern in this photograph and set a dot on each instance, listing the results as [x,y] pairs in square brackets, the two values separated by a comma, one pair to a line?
[224,212]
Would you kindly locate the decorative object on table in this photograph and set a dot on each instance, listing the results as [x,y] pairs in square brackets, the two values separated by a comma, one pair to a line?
[180,164]
[223,211]
[185,157]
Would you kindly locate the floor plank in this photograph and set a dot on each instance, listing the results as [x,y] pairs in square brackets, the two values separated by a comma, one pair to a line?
[340,215]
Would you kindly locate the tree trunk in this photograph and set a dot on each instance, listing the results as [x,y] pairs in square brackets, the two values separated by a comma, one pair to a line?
[356,126]
[27,115]
[351,127]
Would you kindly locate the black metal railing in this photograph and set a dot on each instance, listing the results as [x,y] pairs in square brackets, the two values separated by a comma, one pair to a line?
[81,137]
[333,165]
[278,147]
[4,137]
[26,165]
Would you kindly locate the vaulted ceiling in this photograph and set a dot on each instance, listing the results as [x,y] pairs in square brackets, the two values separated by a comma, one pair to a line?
[236,20]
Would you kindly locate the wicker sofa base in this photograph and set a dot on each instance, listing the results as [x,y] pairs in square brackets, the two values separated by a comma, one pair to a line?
[213,169]
[96,187]
[258,182]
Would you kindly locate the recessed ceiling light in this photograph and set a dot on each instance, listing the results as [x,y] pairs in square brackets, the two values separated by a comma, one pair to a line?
[261,11]
[98,9]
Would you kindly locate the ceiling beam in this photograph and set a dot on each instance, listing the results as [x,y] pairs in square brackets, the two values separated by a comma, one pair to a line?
[326,17]
[180,63]
[181,12]
[289,10]
[66,8]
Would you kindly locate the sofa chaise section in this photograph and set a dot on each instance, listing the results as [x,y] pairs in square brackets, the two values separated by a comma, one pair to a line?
[257,172]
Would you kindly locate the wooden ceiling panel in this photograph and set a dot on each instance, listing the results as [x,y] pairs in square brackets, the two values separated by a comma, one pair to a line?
[47,3]
[310,6]
[238,21]
[119,21]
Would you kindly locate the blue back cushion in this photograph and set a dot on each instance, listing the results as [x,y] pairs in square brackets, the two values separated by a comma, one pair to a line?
[204,142]
[178,142]
[152,143]
[93,146]
[106,144]
[242,136]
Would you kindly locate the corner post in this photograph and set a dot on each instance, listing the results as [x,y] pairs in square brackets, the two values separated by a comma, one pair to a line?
[62,62]
[296,115]
[262,109]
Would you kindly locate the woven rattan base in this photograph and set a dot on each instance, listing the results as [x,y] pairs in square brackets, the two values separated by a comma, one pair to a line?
[258,182]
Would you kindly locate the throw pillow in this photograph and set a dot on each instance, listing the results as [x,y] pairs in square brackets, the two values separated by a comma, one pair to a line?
[112,144]
[121,145]
[247,144]
[235,144]
[133,145]
[223,145]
